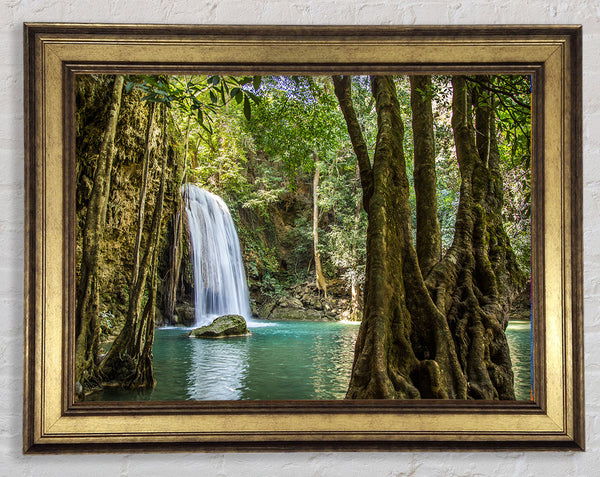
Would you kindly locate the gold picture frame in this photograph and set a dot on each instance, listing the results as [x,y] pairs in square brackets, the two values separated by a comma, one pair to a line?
[54,422]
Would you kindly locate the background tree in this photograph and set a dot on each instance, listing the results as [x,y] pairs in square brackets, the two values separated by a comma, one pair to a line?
[298,123]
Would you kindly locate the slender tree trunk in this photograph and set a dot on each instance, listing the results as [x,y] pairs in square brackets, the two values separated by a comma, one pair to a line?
[142,198]
[175,256]
[343,91]
[86,351]
[429,235]
[321,282]
[176,250]
[122,362]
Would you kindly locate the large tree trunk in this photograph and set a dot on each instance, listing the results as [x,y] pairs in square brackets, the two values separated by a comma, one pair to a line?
[429,235]
[404,348]
[444,337]
[321,282]
[470,288]
[86,351]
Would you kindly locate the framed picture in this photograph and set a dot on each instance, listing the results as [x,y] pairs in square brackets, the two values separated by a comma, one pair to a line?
[383,225]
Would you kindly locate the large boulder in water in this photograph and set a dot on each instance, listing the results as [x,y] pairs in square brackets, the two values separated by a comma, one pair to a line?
[223,327]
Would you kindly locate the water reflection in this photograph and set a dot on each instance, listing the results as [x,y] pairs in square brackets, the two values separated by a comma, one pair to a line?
[301,360]
[518,335]
[217,368]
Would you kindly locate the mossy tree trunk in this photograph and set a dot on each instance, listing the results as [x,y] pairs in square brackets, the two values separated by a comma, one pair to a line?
[86,351]
[404,347]
[129,359]
[429,235]
[478,276]
[442,337]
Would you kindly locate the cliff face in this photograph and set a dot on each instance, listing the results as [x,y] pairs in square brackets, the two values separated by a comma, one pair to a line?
[277,246]
[118,242]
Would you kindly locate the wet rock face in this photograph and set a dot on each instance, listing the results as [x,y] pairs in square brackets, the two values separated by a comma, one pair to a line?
[184,314]
[299,314]
[223,327]
[303,302]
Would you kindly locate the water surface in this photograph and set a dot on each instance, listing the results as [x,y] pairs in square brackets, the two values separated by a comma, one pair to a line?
[280,360]
[518,335]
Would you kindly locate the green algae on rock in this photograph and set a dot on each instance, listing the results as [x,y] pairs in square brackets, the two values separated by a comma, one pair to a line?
[223,327]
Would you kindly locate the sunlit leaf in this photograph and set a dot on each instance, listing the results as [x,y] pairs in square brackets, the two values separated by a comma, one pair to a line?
[247,108]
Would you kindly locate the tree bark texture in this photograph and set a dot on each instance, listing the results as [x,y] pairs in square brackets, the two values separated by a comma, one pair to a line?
[86,351]
[429,235]
[128,360]
[404,348]
[470,284]
[442,337]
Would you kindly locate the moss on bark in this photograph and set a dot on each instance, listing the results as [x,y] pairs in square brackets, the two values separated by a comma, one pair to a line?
[442,337]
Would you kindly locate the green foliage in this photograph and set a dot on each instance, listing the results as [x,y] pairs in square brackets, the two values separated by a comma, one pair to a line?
[253,140]
[201,96]
[513,113]
[298,117]
[344,240]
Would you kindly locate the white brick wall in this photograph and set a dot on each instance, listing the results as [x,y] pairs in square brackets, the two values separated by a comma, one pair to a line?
[14,12]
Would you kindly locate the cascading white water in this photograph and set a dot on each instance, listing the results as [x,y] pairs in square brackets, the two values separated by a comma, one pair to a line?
[219,279]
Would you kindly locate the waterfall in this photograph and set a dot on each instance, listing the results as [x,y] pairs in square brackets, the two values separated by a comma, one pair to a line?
[219,279]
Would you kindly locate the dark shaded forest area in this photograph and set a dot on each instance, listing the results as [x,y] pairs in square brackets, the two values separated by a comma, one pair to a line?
[402,201]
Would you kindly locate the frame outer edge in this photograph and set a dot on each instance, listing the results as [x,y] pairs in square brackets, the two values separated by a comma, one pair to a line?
[34,35]
[29,39]
[576,187]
